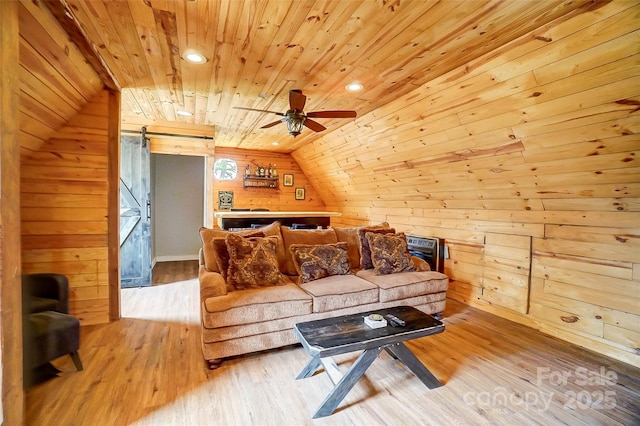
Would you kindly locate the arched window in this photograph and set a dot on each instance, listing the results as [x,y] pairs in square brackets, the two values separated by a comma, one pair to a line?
[225,169]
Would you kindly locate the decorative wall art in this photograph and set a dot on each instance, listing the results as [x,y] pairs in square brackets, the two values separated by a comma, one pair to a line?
[225,200]
[287,180]
[225,169]
[299,193]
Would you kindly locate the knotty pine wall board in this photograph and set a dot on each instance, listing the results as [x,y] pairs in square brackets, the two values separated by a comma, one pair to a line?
[583,324]
[55,80]
[602,204]
[595,234]
[281,199]
[542,148]
[47,40]
[537,140]
[62,214]
[505,273]
[616,248]
[177,146]
[64,210]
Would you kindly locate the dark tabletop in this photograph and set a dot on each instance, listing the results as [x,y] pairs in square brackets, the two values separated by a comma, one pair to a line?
[331,336]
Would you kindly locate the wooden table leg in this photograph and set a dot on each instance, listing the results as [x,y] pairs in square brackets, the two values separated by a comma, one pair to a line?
[309,369]
[347,382]
[400,351]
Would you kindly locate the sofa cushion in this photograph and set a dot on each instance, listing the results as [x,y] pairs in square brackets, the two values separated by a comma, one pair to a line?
[389,253]
[207,235]
[313,262]
[350,236]
[221,253]
[274,230]
[363,243]
[256,305]
[252,262]
[340,291]
[306,237]
[406,284]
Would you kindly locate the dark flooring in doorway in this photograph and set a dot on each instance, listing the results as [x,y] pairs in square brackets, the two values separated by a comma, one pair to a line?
[169,272]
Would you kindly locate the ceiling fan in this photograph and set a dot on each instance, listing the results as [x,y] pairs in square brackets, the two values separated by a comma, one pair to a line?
[295,117]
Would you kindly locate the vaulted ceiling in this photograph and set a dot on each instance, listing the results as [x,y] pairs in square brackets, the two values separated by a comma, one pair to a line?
[259,50]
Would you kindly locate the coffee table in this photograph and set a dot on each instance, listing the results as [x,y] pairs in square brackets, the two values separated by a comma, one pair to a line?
[333,336]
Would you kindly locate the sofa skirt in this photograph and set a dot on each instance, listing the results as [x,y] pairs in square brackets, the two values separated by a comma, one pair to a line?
[225,342]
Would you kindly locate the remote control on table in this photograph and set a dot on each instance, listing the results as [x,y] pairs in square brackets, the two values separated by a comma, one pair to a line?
[395,321]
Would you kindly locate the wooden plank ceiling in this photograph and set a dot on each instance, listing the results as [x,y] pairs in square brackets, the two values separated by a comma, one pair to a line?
[259,50]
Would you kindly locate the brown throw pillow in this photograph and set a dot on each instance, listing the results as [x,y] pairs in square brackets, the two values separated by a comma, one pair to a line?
[365,251]
[306,237]
[313,262]
[389,253]
[207,236]
[273,229]
[222,254]
[252,262]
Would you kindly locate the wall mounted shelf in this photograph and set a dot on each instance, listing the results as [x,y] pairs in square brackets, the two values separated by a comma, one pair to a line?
[253,181]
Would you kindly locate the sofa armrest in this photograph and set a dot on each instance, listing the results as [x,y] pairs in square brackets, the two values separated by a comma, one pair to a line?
[420,264]
[212,284]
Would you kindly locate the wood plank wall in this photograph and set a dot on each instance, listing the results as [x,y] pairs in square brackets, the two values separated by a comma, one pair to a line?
[63,113]
[174,138]
[55,79]
[282,199]
[537,141]
[64,209]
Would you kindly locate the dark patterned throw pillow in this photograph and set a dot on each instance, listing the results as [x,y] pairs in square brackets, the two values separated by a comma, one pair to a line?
[389,253]
[222,254]
[208,235]
[252,262]
[365,251]
[318,261]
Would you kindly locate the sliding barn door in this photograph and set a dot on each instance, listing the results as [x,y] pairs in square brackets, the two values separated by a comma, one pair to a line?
[135,212]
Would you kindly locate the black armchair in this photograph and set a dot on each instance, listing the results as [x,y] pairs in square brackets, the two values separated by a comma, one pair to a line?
[45,292]
[48,330]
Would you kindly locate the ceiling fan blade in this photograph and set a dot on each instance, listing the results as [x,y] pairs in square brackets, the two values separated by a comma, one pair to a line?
[297,99]
[266,126]
[259,110]
[314,125]
[332,114]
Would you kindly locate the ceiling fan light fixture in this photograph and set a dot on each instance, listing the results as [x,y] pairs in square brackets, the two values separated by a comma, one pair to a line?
[194,57]
[295,118]
[295,124]
[354,87]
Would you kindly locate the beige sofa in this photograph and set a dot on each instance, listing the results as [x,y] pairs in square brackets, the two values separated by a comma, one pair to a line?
[251,319]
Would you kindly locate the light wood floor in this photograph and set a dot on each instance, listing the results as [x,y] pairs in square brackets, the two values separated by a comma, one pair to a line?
[147,369]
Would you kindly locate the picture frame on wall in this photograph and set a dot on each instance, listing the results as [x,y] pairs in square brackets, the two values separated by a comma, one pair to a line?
[225,200]
[299,193]
[287,180]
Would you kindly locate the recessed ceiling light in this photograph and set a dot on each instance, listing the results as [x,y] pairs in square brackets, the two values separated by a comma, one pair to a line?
[184,113]
[275,143]
[194,57]
[354,87]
